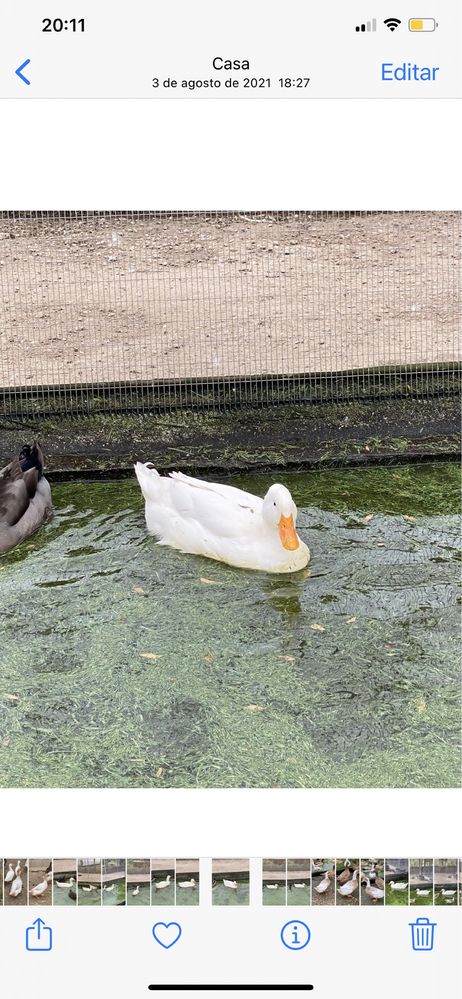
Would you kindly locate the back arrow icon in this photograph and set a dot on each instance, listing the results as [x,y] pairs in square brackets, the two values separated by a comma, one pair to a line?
[19,73]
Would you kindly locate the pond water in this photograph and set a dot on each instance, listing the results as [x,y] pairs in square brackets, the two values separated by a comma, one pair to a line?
[143,897]
[299,896]
[117,894]
[274,895]
[445,900]
[396,896]
[416,899]
[187,896]
[163,896]
[125,664]
[221,895]
[89,897]
[61,896]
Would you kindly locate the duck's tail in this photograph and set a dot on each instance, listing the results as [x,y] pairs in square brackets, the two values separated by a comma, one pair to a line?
[148,478]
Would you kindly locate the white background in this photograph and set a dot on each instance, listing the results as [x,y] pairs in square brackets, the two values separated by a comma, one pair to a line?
[337,155]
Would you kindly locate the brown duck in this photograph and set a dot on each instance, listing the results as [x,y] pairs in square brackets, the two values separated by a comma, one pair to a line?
[346,873]
[25,497]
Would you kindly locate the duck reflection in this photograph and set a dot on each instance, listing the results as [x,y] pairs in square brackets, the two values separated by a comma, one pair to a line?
[284,592]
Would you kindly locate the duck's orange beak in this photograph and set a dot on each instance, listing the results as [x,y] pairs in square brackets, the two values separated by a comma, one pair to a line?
[288,534]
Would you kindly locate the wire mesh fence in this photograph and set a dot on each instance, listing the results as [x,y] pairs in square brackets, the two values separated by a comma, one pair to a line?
[138,311]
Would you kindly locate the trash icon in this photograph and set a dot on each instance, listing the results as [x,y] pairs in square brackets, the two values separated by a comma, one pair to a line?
[423,934]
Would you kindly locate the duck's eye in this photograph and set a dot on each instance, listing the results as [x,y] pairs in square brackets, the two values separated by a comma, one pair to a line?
[274,504]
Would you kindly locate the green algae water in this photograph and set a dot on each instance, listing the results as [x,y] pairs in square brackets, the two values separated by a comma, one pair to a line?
[123,664]
[221,895]
[116,895]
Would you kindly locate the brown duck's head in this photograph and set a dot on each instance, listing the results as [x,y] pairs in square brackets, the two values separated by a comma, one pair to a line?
[31,457]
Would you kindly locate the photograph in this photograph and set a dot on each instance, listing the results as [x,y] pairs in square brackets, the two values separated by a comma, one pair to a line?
[65,881]
[372,881]
[113,882]
[89,881]
[229,478]
[40,882]
[421,882]
[299,881]
[274,882]
[397,882]
[445,882]
[15,882]
[323,881]
[187,881]
[230,882]
[347,881]
[139,882]
[162,881]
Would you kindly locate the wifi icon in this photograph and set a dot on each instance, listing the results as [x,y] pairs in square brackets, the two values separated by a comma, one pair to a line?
[392,23]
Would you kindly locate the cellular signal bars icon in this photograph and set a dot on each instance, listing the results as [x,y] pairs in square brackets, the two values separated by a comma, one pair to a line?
[368,26]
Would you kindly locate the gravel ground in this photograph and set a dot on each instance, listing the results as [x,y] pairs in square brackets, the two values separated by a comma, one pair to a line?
[37,873]
[139,297]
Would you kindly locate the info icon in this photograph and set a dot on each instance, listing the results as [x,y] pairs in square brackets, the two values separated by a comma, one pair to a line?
[295,935]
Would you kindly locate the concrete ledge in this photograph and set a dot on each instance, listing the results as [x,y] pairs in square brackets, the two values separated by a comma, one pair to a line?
[280,437]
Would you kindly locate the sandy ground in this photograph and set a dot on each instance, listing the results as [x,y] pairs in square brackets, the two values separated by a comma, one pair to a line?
[140,297]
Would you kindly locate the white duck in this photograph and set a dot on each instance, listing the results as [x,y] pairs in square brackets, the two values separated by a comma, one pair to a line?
[10,874]
[449,891]
[272,887]
[323,885]
[17,869]
[40,889]
[398,885]
[136,890]
[299,884]
[350,886]
[229,884]
[222,522]
[423,891]
[108,887]
[374,893]
[163,884]
[65,884]
[16,887]
[186,884]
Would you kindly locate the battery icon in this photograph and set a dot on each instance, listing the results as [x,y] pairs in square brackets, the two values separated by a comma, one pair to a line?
[422,24]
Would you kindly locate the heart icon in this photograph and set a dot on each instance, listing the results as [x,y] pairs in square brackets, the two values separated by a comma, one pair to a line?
[166,934]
